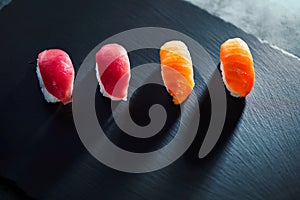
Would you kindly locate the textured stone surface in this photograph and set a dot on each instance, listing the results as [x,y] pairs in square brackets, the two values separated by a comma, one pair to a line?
[277,22]
[257,156]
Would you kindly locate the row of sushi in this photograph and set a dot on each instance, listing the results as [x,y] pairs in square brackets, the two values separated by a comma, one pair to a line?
[56,73]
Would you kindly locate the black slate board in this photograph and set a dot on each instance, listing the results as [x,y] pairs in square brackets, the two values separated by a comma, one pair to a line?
[257,156]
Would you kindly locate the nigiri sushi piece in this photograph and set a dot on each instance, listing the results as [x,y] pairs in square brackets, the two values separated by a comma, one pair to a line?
[55,72]
[113,71]
[237,67]
[177,70]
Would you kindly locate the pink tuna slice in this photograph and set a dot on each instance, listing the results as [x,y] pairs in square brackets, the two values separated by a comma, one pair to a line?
[113,71]
[57,73]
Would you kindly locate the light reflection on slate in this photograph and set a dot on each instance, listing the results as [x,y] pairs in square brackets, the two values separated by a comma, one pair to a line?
[4,3]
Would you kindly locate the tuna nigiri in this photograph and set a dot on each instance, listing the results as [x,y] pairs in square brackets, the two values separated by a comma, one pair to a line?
[237,67]
[177,70]
[113,71]
[56,75]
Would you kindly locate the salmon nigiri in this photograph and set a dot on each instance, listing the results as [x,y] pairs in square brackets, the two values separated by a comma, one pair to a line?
[177,70]
[55,72]
[237,67]
[113,71]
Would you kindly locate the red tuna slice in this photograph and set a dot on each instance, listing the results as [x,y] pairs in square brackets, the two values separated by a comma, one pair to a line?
[113,71]
[56,71]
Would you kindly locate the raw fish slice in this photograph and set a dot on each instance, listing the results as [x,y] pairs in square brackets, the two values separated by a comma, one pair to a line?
[237,67]
[56,75]
[113,71]
[177,70]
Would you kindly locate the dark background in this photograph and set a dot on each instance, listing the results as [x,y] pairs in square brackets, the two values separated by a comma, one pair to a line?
[257,156]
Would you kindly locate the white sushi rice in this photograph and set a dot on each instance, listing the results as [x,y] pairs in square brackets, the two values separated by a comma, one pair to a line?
[232,93]
[103,91]
[48,97]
